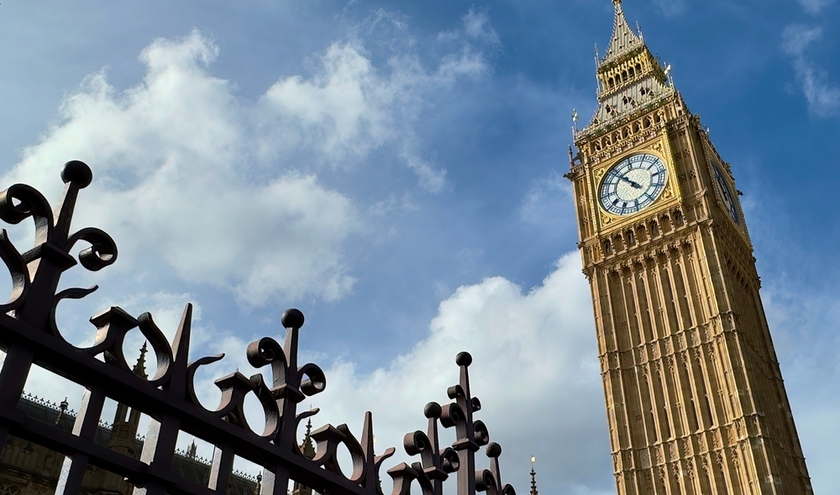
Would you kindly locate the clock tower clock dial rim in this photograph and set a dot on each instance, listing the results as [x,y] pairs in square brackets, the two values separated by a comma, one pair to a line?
[636,181]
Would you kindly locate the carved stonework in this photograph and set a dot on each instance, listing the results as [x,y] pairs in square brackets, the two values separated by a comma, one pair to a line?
[687,279]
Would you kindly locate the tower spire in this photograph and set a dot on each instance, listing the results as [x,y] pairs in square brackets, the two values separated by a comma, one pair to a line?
[306,447]
[308,450]
[623,38]
[140,366]
[630,78]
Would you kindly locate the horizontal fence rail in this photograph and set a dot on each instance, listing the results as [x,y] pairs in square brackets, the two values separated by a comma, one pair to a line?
[29,335]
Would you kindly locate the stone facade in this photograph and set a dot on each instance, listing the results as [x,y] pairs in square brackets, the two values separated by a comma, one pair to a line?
[695,398]
[31,469]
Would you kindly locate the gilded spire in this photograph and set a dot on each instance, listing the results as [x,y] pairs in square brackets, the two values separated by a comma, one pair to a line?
[630,78]
[623,38]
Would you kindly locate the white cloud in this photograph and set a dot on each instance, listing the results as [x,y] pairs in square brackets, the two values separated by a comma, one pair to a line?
[353,107]
[477,26]
[193,177]
[797,37]
[338,105]
[823,97]
[815,6]
[535,371]
[173,180]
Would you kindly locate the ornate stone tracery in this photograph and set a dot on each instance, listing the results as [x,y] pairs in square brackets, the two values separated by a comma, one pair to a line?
[679,281]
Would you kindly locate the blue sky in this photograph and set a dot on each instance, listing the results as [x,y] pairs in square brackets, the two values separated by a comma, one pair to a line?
[395,169]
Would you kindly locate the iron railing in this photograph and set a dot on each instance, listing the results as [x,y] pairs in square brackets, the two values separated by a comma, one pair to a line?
[29,335]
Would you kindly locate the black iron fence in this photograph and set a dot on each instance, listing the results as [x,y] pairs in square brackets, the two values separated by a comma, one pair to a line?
[29,335]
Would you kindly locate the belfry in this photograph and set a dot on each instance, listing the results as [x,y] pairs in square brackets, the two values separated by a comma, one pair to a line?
[695,398]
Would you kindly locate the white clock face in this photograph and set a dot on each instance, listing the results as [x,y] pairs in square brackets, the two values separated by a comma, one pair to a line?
[633,184]
[725,193]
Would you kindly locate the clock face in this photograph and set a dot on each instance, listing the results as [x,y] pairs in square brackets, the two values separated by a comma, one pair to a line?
[725,193]
[633,184]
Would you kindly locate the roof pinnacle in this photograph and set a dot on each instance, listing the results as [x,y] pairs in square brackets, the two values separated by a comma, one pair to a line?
[140,366]
[534,490]
[306,447]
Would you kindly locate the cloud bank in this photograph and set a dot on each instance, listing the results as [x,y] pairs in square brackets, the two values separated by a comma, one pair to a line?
[227,192]
[535,370]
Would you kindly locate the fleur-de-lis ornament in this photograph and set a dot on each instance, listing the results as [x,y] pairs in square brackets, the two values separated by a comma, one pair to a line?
[36,273]
[436,464]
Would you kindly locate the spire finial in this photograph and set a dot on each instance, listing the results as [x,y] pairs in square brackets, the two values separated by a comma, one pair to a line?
[140,366]
[192,449]
[617,3]
[534,490]
[306,447]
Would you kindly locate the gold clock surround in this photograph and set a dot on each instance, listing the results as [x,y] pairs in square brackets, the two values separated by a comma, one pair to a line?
[670,194]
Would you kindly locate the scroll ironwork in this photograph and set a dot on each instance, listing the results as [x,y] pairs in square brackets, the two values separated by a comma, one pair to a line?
[29,335]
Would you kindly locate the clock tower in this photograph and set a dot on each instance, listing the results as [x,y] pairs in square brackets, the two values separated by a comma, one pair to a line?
[695,398]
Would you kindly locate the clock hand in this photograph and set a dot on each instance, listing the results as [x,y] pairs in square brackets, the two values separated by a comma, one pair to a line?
[635,184]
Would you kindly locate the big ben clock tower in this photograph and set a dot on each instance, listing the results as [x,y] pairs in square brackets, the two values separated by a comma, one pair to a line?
[695,398]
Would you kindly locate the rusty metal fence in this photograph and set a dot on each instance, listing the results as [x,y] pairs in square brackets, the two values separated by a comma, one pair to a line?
[29,335]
